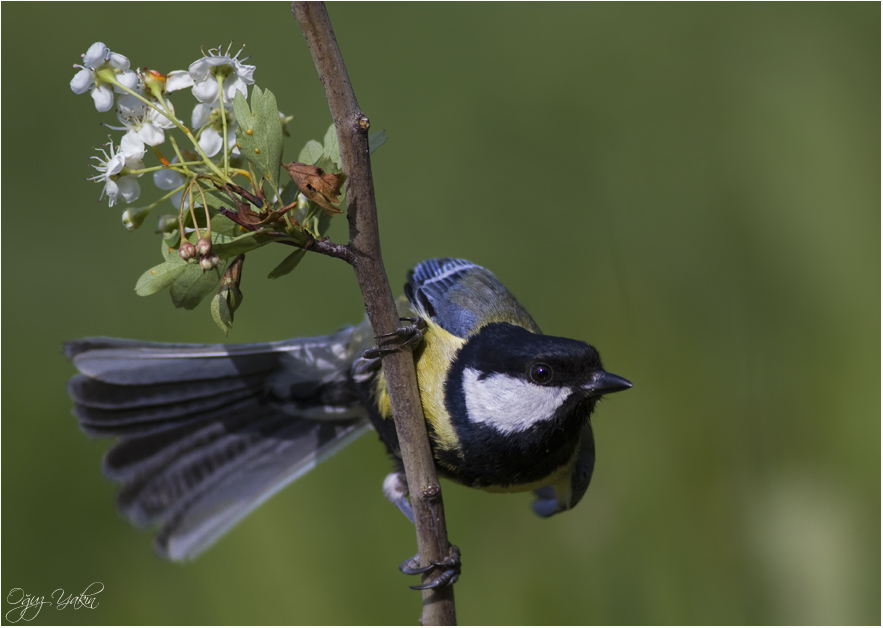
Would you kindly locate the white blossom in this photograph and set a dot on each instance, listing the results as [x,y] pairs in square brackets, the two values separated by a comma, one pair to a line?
[178,79]
[211,140]
[98,58]
[143,125]
[236,76]
[110,164]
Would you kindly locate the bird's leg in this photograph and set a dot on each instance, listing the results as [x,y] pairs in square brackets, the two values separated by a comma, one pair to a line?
[395,488]
[409,335]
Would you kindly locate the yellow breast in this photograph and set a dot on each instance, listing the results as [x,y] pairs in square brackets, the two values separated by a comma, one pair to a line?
[432,360]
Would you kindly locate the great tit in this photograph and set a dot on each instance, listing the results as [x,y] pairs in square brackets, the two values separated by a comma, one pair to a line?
[206,433]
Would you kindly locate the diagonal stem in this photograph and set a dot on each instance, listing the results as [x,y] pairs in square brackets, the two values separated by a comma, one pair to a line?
[398,367]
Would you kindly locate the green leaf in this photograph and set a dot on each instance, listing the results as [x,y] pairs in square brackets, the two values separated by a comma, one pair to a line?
[229,239]
[225,247]
[311,219]
[324,223]
[287,265]
[158,277]
[332,148]
[311,153]
[376,141]
[298,236]
[223,226]
[242,112]
[192,285]
[259,133]
[215,199]
[172,238]
[189,285]
[222,314]
[170,251]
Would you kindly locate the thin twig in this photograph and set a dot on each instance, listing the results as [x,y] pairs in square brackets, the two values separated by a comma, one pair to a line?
[398,367]
[321,245]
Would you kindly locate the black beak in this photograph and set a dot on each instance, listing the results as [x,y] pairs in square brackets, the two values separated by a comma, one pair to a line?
[603,383]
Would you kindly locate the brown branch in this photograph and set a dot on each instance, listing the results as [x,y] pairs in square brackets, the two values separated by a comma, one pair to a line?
[322,245]
[352,134]
[325,247]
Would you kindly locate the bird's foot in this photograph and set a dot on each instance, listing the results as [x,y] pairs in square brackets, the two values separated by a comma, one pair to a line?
[451,565]
[407,336]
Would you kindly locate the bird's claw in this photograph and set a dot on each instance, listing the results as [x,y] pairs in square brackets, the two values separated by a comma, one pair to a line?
[409,335]
[451,565]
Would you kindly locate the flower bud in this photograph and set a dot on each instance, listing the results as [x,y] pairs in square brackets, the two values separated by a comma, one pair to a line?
[209,262]
[154,82]
[167,223]
[132,217]
[186,250]
[204,245]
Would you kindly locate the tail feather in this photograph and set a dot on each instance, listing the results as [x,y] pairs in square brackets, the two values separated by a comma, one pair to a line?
[217,448]
[93,393]
[129,362]
[208,432]
[134,421]
[145,455]
[203,516]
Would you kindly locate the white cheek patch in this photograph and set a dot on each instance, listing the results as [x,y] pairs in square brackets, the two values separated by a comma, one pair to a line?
[509,404]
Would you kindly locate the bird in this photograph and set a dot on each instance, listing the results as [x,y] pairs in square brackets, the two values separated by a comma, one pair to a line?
[207,432]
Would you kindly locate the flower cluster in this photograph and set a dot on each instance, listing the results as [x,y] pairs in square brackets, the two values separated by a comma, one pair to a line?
[145,115]
[221,167]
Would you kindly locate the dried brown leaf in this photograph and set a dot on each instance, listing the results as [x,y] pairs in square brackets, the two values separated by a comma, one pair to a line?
[323,188]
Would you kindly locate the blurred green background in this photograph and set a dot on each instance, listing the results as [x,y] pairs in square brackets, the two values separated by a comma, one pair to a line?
[693,188]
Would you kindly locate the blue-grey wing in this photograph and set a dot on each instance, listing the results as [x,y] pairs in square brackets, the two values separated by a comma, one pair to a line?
[461,297]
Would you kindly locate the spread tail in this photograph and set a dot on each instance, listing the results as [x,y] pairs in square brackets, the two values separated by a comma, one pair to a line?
[208,432]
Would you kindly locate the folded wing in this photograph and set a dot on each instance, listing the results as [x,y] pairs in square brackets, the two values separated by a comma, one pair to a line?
[461,296]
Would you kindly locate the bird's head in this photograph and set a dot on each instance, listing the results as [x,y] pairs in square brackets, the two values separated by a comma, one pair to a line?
[513,381]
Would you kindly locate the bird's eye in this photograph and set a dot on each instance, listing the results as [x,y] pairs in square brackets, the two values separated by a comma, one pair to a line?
[540,373]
